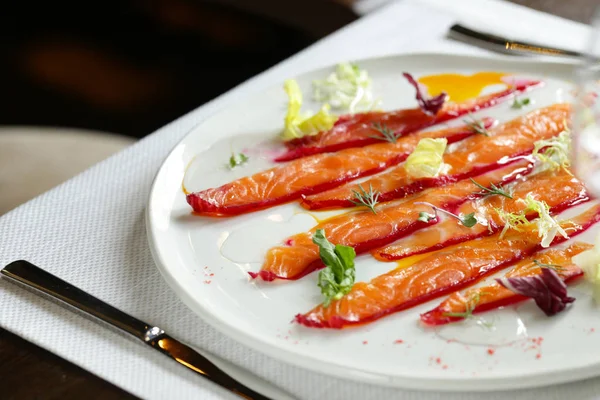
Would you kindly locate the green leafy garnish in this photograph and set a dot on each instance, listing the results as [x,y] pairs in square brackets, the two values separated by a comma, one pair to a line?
[546,226]
[468,220]
[555,267]
[237,159]
[299,125]
[499,190]
[520,103]
[386,133]
[477,126]
[470,305]
[425,217]
[554,153]
[348,87]
[367,199]
[427,159]
[337,278]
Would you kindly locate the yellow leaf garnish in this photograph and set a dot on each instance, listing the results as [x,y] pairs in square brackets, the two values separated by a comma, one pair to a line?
[298,125]
[427,160]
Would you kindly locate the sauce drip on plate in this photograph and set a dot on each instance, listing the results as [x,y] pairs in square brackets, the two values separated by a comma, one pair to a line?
[461,87]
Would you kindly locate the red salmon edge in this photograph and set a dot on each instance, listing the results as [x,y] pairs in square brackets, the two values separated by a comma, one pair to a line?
[205,207]
[298,146]
[333,323]
[387,257]
[359,248]
[308,150]
[337,320]
[418,185]
[494,99]
[437,317]
[266,276]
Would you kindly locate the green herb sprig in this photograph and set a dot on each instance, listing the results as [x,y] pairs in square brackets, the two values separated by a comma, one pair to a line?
[485,191]
[386,133]
[470,305]
[476,126]
[367,199]
[467,220]
[338,276]
[520,103]
[237,159]
[558,268]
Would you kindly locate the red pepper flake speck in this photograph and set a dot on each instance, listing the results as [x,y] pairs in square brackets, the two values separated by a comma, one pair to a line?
[592,330]
[438,360]
[399,341]
[444,366]
[365,342]
[211,275]
[538,356]
[491,352]
[207,282]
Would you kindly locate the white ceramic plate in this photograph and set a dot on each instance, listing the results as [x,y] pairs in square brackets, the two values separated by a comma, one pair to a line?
[206,260]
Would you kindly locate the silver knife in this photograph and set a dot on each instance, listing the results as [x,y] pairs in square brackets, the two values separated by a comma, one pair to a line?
[36,278]
[505,45]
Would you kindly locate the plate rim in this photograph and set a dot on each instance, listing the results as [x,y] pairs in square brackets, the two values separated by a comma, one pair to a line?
[310,363]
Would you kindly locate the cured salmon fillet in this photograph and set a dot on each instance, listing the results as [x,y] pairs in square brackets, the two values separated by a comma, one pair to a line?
[559,189]
[357,130]
[364,230]
[440,273]
[489,297]
[473,156]
[312,174]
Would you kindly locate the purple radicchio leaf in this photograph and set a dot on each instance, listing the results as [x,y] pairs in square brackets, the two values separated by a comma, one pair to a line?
[429,105]
[547,289]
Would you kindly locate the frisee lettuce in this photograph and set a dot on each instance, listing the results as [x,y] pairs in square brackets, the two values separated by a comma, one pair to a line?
[348,87]
[297,124]
[554,153]
[427,160]
[546,225]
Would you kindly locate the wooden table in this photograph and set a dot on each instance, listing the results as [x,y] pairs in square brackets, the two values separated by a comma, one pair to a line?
[29,372]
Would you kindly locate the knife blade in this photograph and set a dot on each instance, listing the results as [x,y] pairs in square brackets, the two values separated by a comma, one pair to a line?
[505,45]
[33,277]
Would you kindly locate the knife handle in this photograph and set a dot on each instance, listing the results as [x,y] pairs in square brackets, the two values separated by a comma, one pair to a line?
[34,277]
[504,45]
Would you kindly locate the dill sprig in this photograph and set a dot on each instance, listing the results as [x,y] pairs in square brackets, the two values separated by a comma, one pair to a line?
[476,125]
[386,133]
[367,199]
[470,305]
[485,191]
[555,267]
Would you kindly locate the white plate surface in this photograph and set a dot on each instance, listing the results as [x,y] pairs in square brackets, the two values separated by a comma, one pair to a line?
[206,260]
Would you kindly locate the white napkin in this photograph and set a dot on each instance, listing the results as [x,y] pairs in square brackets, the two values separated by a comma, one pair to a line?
[90,231]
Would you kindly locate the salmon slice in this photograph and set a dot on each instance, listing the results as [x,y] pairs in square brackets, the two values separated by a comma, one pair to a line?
[489,297]
[559,189]
[364,230]
[357,130]
[440,273]
[312,174]
[474,155]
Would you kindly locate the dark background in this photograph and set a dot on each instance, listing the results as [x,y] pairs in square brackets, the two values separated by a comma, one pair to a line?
[129,67]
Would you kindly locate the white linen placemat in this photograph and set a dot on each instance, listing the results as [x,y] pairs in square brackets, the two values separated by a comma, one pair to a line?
[90,231]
